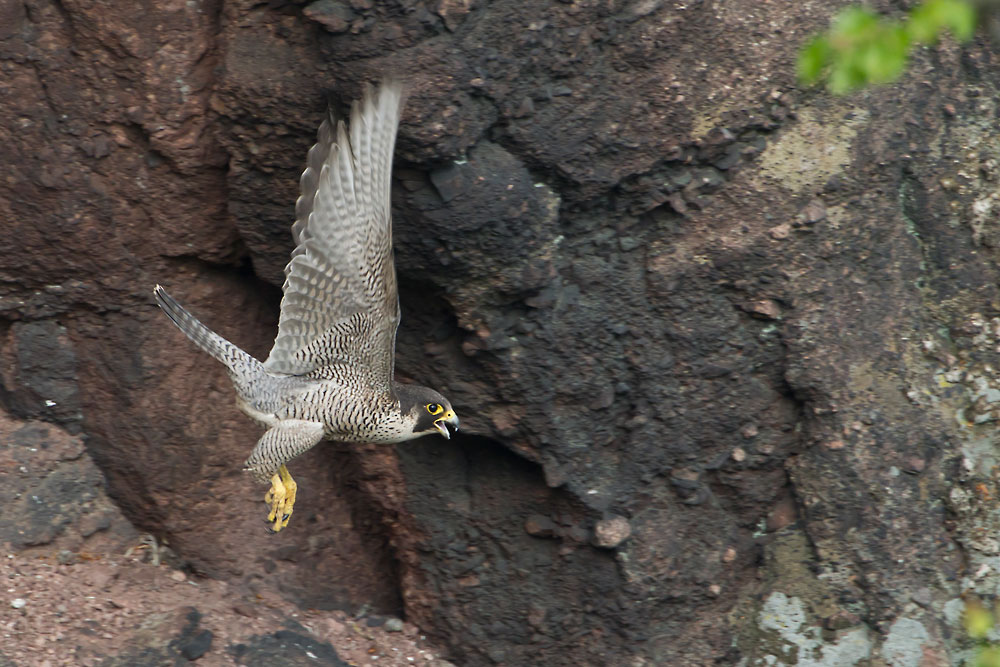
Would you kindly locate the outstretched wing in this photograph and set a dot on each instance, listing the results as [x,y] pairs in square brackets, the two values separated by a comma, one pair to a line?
[340,309]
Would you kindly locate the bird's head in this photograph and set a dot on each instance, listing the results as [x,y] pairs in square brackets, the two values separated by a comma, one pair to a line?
[427,410]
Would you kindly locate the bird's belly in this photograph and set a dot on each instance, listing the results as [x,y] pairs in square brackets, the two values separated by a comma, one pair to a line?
[345,417]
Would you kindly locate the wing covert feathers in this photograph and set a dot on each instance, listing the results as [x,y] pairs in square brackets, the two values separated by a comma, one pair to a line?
[342,266]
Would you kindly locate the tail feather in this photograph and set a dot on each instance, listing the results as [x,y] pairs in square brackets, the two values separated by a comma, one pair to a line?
[239,362]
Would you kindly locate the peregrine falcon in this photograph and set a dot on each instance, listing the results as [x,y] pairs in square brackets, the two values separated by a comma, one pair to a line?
[330,371]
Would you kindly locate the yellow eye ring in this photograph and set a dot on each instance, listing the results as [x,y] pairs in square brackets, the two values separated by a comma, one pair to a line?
[434,408]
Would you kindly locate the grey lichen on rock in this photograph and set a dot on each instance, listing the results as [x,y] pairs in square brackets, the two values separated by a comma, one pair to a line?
[798,642]
[904,643]
[818,146]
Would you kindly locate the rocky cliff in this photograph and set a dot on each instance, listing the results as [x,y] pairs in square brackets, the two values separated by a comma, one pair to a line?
[724,351]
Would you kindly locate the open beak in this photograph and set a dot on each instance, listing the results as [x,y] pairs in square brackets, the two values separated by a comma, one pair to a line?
[447,419]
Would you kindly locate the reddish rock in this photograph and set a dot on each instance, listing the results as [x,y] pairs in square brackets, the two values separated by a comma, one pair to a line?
[601,190]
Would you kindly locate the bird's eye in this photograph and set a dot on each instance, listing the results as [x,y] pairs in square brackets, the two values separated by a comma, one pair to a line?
[434,408]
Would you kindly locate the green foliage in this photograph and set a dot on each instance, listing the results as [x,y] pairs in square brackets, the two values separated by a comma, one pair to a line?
[988,657]
[978,621]
[862,47]
[929,20]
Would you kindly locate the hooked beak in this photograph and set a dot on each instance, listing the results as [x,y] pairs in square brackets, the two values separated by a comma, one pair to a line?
[447,419]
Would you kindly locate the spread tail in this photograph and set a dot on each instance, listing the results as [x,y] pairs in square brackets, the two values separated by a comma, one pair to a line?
[239,363]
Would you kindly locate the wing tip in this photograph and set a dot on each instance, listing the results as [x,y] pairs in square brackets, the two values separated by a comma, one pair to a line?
[161,295]
[392,84]
[388,94]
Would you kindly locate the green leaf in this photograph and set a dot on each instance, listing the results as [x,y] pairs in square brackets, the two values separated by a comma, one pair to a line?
[885,58]
[988,657]
[923,25]
[854,22]
[862,47]
[845,76]
[930,19]
[961,20]
[978,620]
[813,59]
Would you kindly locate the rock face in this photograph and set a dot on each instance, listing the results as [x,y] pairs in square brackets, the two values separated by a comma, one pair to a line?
[53,495]
[724,351]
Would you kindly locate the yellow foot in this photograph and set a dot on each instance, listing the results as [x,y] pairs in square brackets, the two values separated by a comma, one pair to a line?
[281,498]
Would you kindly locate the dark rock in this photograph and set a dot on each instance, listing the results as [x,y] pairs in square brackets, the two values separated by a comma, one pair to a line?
[627,243]
[165,638]
[732,157]
[707,178]
[42,513]
[194,647]
[511,262]
[539,526]
[285,648]
[12,16]
[56,494]
[334,16]
[42,382]
[193,642]
[681,179]
[525,109]
[451,181]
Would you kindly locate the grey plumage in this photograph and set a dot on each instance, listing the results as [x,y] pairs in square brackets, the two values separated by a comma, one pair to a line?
[330,370]
[341,278]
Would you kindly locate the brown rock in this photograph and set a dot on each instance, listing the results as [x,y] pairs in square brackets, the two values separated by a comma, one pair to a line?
[783,514]
[539,526]
[815,211]
[765,309]
[136,135]
[780,232]
[611,532]
[334,16]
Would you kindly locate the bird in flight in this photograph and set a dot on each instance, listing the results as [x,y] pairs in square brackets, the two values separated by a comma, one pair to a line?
[330,372]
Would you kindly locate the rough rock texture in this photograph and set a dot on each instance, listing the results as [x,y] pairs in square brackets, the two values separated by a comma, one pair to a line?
[53,495]
[658,282]
[83,588]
